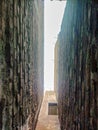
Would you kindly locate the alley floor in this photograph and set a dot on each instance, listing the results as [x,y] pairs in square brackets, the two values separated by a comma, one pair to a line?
[46,121]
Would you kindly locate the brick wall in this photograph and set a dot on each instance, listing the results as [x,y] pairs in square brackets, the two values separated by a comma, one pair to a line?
[77,74]
[21,62]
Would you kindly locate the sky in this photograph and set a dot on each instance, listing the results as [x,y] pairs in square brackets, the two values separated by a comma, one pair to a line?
[53,14]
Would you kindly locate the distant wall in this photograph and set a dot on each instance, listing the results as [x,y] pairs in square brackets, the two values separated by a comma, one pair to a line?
[56,74]
[76,77]
[21,62]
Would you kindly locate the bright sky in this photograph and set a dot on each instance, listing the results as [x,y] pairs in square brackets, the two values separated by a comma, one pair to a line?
[53,15]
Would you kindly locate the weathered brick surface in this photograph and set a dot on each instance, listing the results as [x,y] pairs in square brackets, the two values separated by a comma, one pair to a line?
[77,66]
[21,62]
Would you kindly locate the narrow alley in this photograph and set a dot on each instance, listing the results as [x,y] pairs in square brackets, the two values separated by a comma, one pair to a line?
[73,102]
[46,120]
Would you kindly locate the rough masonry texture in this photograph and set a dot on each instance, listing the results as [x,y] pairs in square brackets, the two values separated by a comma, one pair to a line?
[76,66]
[21,62]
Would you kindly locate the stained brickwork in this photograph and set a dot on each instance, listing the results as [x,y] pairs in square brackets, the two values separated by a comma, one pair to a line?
[76,72]
[21,62]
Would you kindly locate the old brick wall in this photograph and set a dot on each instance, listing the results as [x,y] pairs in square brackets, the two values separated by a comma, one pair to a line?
[21,62]
[77,53]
